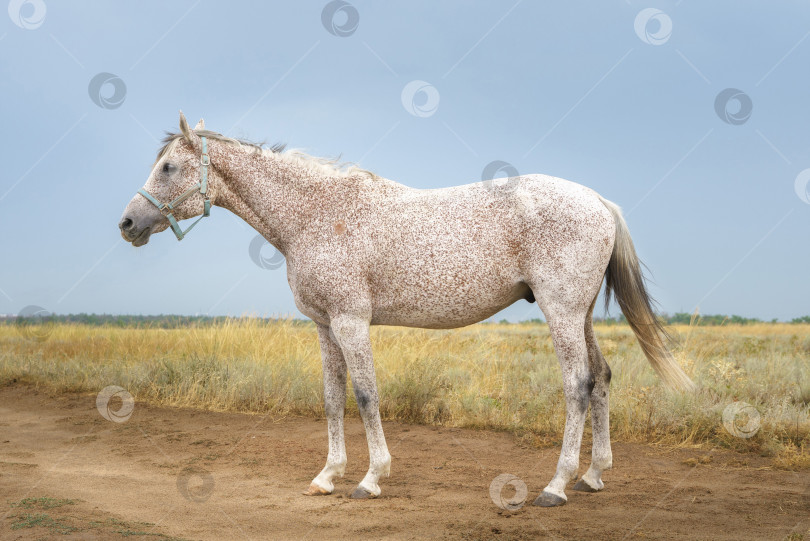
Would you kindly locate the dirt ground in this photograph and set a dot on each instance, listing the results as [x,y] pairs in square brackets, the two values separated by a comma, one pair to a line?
[68,473]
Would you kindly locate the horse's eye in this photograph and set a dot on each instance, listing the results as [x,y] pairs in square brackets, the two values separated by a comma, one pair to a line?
[167,167]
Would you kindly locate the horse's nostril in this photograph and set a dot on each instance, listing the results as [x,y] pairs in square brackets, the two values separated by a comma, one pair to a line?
[125,224]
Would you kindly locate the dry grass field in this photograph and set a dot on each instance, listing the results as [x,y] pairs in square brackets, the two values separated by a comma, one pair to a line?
[492,376]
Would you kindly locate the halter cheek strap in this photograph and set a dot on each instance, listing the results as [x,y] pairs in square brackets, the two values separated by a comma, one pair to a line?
[167,209]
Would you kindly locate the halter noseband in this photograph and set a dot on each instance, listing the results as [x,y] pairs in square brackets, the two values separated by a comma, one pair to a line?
[168,208]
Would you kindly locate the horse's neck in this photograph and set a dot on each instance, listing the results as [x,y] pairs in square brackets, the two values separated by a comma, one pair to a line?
[274,195]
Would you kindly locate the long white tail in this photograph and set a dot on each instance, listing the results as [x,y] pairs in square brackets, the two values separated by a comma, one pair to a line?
[626,282]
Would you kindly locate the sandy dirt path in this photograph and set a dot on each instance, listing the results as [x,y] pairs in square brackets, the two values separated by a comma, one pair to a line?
[201,475]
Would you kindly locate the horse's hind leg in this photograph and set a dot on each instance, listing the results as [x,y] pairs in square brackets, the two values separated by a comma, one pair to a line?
[567,326]
[334,395]
[601,455]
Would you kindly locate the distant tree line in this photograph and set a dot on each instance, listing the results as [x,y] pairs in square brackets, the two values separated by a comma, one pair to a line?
[175,321]
[146,322]
[684,318]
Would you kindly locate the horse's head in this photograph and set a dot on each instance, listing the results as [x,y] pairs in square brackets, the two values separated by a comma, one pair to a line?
[177,188]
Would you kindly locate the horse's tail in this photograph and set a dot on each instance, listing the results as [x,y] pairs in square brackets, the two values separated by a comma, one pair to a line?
[626,282]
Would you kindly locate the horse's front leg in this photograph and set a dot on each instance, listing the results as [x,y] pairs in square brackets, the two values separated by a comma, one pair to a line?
[334,397]
[352,334]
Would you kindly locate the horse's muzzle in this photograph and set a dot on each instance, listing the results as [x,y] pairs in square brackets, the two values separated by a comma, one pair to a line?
[138,236]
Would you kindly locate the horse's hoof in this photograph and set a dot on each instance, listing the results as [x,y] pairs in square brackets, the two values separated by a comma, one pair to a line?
[360,493]
[547,499]
[315,490]
[582,486]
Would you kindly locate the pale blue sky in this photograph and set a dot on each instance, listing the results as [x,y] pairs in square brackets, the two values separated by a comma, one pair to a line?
[564,88]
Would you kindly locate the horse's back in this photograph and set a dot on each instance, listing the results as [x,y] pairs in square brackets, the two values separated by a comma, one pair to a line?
[452,256]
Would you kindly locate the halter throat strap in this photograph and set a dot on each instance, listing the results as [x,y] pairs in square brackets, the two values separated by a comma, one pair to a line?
[168,209]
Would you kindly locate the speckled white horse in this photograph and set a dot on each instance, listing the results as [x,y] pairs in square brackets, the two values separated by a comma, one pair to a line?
[363,250]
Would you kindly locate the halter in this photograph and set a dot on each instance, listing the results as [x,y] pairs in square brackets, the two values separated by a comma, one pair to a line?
[168,208]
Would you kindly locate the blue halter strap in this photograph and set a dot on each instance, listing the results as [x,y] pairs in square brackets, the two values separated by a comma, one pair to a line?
[167,209]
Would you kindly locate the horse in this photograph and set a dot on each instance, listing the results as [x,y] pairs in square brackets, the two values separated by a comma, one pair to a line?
[364,250]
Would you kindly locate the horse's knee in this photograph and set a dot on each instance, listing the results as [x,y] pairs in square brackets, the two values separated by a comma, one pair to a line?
[367,400]
[333,409]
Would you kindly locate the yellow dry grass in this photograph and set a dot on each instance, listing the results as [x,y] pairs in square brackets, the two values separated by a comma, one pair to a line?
[495,376]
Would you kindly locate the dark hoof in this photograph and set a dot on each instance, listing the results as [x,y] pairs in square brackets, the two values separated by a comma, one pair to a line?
[547,499]
[360,493]
[582,486]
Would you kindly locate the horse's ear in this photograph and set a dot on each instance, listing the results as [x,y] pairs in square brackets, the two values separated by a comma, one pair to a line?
[200,125]
[184,129]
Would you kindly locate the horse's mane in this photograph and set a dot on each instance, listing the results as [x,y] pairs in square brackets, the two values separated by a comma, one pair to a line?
[327,166]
